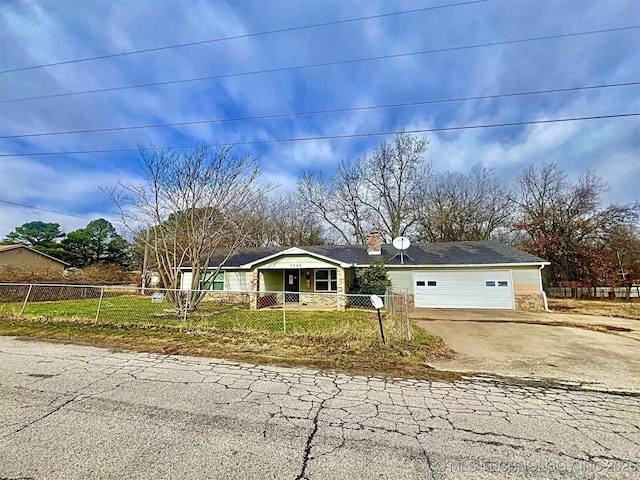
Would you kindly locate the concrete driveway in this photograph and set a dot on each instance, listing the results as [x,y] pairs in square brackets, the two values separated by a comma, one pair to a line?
[601,351]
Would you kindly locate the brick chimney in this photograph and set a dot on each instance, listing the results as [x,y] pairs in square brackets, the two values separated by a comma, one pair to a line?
[374,243]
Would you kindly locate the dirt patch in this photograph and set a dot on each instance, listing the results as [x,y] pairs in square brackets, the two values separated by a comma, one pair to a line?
[608,308]
[587,326]
[345,353]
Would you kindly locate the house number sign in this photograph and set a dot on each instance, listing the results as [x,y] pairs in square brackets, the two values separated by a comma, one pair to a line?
[295,265]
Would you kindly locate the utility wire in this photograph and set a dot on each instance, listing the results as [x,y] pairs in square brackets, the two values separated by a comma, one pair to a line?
[236,37]
[325,64]
[43,209]
[324,112]
[330,137]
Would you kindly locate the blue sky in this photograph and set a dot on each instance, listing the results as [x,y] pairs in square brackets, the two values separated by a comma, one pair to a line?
[41,32]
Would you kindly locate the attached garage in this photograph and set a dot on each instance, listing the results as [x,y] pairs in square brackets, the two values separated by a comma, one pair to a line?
[463,288]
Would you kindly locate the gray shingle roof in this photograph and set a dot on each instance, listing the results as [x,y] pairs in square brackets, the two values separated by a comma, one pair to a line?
[443,253]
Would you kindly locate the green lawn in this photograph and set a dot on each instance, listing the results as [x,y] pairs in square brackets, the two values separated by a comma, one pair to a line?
[344,341]
[140,311]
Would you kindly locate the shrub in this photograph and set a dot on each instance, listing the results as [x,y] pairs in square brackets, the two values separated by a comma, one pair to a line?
[99,274]
[371,280]
[9,274]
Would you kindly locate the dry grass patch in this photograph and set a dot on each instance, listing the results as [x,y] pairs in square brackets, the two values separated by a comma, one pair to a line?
[353,352]
[608,308]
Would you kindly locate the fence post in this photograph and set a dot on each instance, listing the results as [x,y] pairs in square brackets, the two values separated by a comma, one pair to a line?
[284,311]
[100,303]
[186,307]
[405,308]
[26,299]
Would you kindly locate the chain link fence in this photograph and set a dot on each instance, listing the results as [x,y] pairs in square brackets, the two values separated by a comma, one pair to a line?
[287,312]
[398,310]
[631,292]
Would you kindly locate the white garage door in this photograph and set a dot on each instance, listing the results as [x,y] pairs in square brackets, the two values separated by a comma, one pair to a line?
[463,289]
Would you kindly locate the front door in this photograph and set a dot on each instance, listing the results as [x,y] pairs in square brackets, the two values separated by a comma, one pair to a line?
[292,284]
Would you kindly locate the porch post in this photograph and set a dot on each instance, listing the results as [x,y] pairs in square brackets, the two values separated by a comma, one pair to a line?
[340,293]
[255,287]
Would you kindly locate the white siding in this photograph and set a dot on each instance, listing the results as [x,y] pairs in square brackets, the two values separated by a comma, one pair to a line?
[526,276]
[401,278]
[237,280]
[185,280]
[295,261]
[526,279]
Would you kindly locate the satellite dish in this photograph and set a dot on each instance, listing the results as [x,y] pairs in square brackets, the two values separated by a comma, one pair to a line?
[401,243]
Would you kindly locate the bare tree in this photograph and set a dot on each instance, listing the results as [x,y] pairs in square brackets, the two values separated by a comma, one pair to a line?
[289,223]
[462,207]
[194,203]
[336,202]
[393,177]
[378,192]
[565,223]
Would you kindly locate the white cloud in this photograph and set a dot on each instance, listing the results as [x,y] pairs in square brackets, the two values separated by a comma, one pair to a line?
[47,187]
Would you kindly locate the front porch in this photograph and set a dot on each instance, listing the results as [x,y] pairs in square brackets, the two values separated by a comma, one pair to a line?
[313,287]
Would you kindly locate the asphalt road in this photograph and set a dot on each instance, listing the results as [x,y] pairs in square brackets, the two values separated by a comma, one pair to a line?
[73,412]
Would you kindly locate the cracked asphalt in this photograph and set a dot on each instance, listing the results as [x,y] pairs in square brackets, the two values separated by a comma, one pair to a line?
[75,412]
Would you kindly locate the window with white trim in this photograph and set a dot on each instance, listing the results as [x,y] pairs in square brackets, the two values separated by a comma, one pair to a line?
[326,280]
[207,284]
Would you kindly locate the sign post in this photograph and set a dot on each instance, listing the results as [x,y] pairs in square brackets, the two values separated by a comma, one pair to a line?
[377,303]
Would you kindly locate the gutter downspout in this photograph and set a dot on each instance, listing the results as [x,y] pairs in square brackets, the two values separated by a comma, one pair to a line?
[544,294]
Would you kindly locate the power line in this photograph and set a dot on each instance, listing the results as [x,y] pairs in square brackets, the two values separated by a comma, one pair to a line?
[317,65]
[324,112]
[332,137]
[237,37]
[43,209]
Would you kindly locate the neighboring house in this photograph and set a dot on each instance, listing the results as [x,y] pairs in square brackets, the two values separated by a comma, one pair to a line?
[436,275]
[27,258]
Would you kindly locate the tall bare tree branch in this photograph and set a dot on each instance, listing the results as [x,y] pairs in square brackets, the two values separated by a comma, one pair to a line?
[194,203]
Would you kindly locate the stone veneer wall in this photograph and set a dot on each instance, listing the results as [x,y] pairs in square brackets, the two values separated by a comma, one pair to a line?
[253,300]
[341,300]
[235,298]
[329,299]
[533,302]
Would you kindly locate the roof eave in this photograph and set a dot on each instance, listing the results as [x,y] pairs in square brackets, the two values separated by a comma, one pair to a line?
[460,265]
[288,251]
[294,251]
